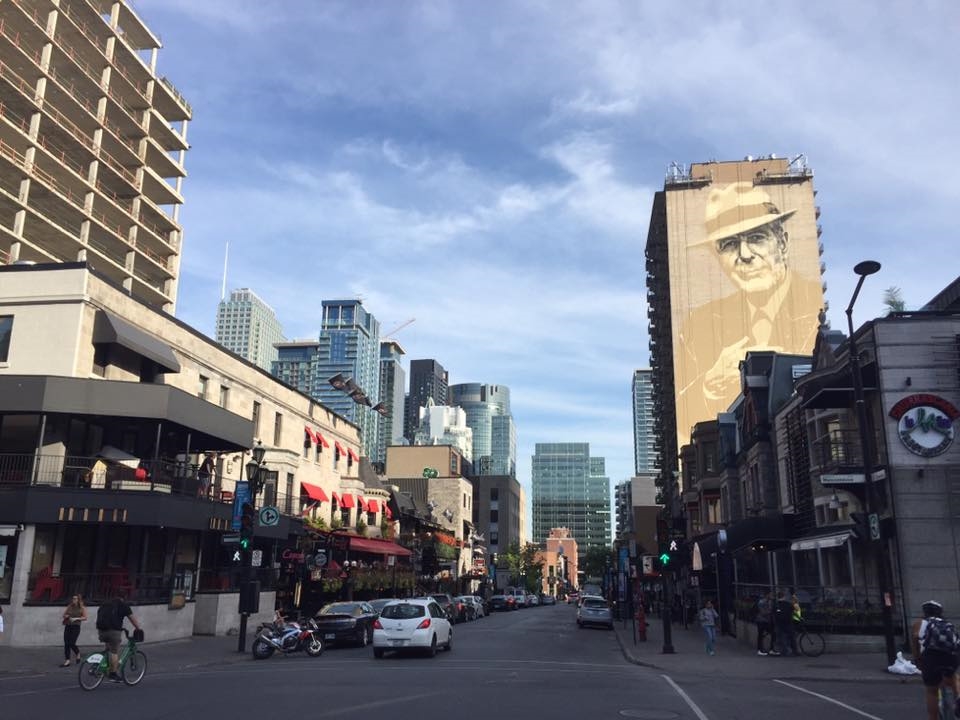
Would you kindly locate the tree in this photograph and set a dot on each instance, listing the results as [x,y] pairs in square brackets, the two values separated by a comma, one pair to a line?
[893,299]
[524,565]
[594,562]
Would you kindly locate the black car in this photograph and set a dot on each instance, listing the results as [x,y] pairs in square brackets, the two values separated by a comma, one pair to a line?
[346,622]
[445,601]
[502,602]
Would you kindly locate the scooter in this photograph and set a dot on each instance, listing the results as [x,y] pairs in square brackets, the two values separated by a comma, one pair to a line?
[287,638]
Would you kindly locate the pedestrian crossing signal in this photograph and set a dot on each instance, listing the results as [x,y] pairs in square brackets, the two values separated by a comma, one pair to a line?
[247,513]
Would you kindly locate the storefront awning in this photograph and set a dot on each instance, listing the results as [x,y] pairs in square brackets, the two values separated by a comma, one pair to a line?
[346,500]
[373,506]
[310,435]
[339,447]
[380,547]
[823,541]
[387,511]
[109,329]
[315,492]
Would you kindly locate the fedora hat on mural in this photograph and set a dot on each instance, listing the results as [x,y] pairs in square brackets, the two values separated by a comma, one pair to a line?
[738,208]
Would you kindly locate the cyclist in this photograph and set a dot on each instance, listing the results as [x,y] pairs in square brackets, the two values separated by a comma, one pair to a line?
[935,645]
[110,617]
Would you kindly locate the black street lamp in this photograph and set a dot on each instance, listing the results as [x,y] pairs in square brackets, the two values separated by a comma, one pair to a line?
[877,545]
[253,467]
[255,478]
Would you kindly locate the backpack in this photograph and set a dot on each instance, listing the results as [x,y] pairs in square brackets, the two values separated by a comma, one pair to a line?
[941,635]
[107,616]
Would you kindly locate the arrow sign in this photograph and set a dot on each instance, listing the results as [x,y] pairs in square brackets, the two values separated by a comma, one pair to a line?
[269,516]
[665,558]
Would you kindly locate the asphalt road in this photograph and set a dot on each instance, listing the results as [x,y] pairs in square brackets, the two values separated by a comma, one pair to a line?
[528,664]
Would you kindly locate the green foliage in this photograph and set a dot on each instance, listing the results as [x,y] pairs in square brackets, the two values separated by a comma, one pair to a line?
[361,526]
[593,563]
[336,523]
[893,300]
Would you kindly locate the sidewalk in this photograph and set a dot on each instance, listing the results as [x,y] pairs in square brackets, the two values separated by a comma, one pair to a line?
[689,657]
[168,656]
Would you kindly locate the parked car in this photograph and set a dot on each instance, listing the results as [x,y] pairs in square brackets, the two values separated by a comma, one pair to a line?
[418,623]
[594,610]
[519,596]
[502,601]
[346,622]
[532,600]
[380,603]
[471,609]
[446,602]
[479,604]
[548,600]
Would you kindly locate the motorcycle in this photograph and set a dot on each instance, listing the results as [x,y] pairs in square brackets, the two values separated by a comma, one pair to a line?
[287,638]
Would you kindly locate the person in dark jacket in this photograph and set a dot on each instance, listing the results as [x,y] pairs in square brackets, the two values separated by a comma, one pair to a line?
[783,622]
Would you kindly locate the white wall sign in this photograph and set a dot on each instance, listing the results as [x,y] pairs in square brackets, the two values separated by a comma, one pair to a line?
[925,423]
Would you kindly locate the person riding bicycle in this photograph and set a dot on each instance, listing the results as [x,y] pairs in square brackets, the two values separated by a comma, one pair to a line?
[935,645]
[110,617]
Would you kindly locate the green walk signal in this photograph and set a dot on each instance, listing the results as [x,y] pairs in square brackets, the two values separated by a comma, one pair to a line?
[665,558]
[245,543]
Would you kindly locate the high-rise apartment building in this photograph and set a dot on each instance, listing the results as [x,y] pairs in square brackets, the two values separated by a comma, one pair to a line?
[644,434]
[498,511]
[392,384]
[733,265]
[570,489]
[249,327]
[428,381]
[296,364]
[494,434]
[92,158]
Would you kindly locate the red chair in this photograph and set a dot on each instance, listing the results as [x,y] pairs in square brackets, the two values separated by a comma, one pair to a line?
[47,583]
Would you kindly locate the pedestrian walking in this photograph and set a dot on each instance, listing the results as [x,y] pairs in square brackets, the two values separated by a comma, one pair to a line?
[783,623]
[1,618]
[74,614]
[708,621]
[764,620]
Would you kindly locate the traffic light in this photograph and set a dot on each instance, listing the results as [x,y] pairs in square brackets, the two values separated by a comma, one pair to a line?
[861,526]
[247,513]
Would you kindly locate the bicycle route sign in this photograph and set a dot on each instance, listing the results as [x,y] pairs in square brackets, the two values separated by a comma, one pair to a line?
[269,516]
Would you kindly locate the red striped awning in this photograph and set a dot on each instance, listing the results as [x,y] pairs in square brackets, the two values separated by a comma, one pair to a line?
[310,435]
[353,455]
[321,439]
[347,501]
[315,492]
[373,506]
[339,447]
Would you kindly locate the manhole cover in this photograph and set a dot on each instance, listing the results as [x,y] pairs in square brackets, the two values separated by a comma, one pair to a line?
[650,714]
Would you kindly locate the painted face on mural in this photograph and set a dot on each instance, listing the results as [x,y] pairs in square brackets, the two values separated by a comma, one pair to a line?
[756,260]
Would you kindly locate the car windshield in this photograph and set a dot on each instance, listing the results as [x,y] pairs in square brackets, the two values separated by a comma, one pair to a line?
[403,611]
[342,609]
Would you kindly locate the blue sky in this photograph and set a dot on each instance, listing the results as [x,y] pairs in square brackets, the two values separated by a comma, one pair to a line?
[488,168]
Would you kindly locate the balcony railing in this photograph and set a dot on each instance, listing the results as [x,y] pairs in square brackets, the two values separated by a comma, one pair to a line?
[165,476]
[842,448]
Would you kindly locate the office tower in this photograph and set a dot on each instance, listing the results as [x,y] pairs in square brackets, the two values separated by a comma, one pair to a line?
[623,508]
[296,364]
[92,159]
[733,265]
[392,383]
[428,380]
[349,346]
[644,435]
[494,440]
[570,489]
[249,327]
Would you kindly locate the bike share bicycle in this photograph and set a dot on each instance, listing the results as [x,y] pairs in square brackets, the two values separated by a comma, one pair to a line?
[809,642]
[132,663]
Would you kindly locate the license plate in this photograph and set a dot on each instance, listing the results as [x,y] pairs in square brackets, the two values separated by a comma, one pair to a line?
[329,636]
[395,643]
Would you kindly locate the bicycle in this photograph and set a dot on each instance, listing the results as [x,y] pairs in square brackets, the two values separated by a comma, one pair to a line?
[808,642]
[946,702]
[132,664]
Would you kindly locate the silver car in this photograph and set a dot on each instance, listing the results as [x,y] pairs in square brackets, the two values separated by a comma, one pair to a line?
[594,610]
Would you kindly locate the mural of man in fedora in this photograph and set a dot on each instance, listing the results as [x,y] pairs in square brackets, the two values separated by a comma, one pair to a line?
[772,306]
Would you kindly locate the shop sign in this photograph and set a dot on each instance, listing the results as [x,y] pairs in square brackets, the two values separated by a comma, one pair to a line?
[925,423]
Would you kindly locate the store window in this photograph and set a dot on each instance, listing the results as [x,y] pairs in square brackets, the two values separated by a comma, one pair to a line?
[6,330]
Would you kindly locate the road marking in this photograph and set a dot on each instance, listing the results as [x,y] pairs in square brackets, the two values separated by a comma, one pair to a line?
[829,699]
[22,677]
[693,706]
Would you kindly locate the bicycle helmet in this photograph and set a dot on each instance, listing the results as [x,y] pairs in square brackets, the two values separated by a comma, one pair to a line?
[931,608]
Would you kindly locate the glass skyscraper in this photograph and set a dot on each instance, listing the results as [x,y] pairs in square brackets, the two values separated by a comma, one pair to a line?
[428,381]
[249,327]
[392,381]
[644,433]
[494,434]
[571,490]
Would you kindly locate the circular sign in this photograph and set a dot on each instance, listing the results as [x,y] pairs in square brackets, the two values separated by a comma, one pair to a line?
[269,516]
[321,558]
[925,423]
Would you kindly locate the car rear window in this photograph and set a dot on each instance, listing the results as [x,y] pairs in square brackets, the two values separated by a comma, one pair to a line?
[594,602]
[402,611]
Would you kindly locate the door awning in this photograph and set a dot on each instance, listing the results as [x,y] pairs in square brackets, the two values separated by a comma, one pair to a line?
[109,329]
[353,455]
[823,541]
[380,547]
[315,492]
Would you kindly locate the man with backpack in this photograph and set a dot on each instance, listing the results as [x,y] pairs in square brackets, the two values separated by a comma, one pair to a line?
[935,646]
[110,617]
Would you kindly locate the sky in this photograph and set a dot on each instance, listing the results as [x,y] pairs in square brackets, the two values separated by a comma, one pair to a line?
[488,168]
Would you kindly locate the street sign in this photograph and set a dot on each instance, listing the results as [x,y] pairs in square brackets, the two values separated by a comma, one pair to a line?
[256,557]
[874,526]
[230,538]
[241,495]
[648,564]
[842,479]
[321,558]
[269,516]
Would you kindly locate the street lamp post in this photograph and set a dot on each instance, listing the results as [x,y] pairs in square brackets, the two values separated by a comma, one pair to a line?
[877,545]
[255,478]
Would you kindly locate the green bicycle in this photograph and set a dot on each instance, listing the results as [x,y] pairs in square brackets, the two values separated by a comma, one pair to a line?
[132,663]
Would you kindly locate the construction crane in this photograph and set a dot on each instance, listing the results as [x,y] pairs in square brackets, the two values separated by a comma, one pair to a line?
[389,335]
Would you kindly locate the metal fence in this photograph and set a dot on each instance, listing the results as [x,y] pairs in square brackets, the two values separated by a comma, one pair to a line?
[96,588]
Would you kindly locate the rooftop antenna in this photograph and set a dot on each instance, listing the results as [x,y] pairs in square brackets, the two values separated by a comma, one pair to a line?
[223,286]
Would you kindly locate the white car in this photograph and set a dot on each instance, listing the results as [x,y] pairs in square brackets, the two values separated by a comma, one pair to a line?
[417,623]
